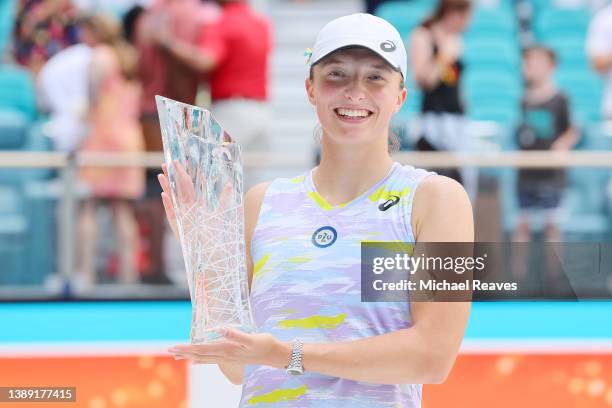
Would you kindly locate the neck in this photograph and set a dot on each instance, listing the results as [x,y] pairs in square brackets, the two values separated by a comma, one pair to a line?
[348,171]
[541,91]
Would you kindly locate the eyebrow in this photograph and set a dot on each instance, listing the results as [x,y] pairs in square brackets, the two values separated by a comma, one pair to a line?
[382,66]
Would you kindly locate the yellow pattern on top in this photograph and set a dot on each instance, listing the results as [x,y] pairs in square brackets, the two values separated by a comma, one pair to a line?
[286,394]
[314,322]
[383,193]
[257,268]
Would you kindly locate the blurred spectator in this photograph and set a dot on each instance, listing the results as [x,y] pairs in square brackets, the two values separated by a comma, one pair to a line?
[546,125]
[372,5]
[599,48]
[130,22]
[593,5]
[43,28]
[169,77]
[62,88]
[435,53]
[113,115]
[235,50]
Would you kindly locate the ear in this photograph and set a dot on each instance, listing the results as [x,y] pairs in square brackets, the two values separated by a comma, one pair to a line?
[401,98]
[310,91]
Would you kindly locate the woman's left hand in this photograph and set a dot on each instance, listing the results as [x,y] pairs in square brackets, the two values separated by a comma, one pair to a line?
[236,346]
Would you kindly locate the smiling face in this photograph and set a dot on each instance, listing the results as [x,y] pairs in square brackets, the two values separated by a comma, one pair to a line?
[355,92]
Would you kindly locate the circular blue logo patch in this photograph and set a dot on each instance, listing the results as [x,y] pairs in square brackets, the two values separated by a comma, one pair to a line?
[324,237]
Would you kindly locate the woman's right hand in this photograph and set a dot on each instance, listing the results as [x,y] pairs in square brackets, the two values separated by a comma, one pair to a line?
[186,193]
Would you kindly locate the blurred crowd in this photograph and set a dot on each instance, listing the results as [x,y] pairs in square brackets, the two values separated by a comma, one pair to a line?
[96,77]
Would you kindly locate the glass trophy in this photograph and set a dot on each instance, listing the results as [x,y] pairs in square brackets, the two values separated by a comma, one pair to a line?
[205,176]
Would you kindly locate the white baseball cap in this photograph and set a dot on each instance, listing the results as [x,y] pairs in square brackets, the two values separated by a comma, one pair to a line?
[361,30]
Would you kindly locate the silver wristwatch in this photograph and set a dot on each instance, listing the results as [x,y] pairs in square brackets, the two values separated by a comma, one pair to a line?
[295,365]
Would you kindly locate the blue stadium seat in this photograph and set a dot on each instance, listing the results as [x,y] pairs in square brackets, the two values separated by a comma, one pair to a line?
[570,50]
[493,95]
[584,89]
[487,20]
[17,91]
[27,229]
[492,54]
[405,15]
[7,18]
[551,22]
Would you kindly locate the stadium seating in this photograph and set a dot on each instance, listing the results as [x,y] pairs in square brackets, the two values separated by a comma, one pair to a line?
[7,18]
[17,91]
[26,218]
[405,15]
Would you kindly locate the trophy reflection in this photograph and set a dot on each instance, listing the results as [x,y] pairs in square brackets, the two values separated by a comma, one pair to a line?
[205,175]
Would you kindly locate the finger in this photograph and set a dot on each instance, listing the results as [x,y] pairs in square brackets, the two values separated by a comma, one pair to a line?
[218,348]
[186,189]
[164,167]
[238,336]
[163,182]
[168,207]
[226,195]
[196,359]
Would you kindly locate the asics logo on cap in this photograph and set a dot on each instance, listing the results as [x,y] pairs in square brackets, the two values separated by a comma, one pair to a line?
[387,46]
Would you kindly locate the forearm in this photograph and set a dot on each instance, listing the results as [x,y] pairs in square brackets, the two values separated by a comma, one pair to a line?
[567,140]
[189,55]
[602,63]
[428,77]
[399,357]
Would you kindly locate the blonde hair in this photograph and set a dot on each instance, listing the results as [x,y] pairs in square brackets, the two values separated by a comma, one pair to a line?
[107,30]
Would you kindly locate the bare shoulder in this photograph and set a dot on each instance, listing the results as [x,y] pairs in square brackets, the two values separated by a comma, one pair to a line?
[442,209]
[439,186]
[256,193]
[420,35]
[252,203]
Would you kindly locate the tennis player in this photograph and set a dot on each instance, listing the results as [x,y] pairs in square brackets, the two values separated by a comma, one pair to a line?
[318,345]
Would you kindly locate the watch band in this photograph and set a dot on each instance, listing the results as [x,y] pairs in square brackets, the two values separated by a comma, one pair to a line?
[295,364]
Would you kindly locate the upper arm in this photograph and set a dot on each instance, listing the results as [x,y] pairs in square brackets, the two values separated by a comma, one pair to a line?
[213,44]
[598,44]
[420,54]
[442,213]
[252,205]
[103,63]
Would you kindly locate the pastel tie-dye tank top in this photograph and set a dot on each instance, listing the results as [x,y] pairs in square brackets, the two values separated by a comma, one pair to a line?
[306,285]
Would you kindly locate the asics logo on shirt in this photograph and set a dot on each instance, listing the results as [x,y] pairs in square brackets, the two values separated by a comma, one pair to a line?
[391,201]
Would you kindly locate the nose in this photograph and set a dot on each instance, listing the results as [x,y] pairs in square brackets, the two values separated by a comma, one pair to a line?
[354,91]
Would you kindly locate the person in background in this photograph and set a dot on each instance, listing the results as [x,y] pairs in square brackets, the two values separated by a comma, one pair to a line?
[546,125]
[599,49]
[436,48]
[235,52]
[114,98]
[62,86]
[43,28]
[169,77]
